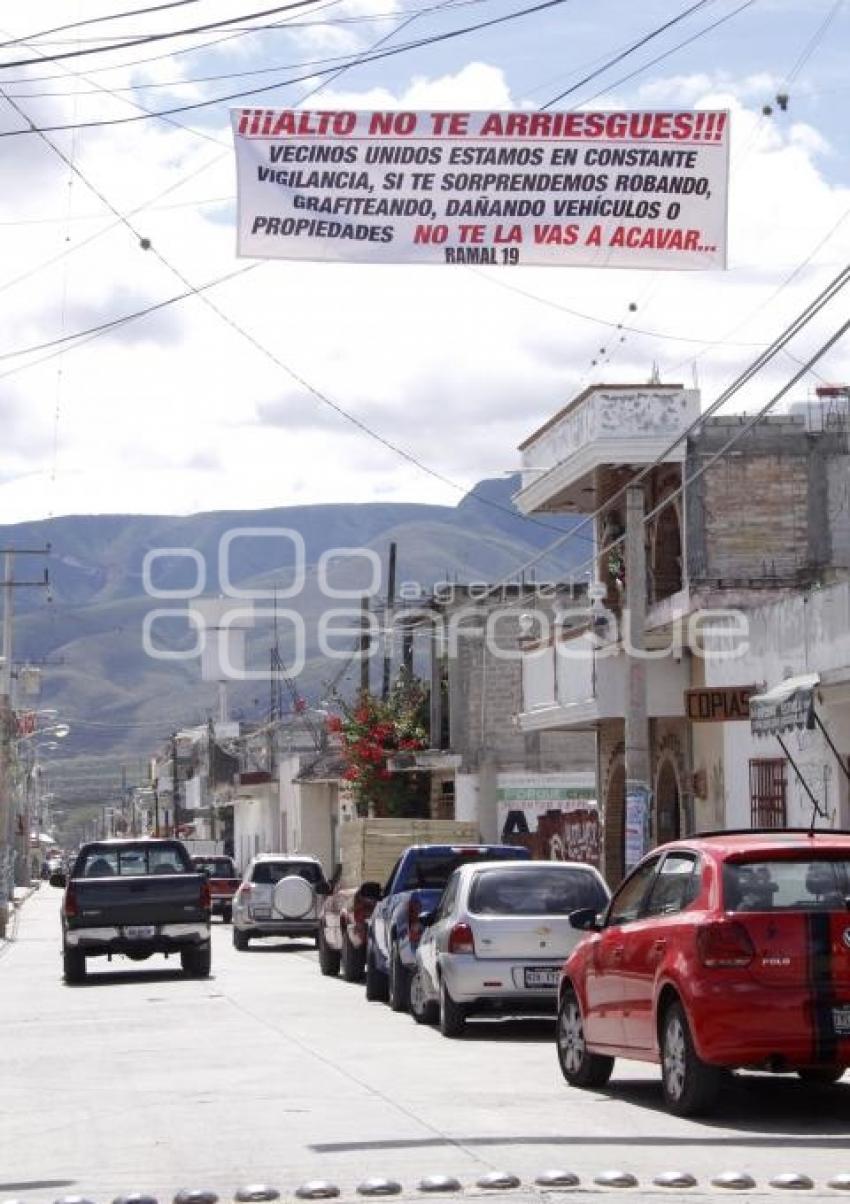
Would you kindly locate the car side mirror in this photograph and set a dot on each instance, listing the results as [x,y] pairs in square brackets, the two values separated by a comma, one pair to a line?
[57,878]
[370,890]
[586,919]
[427,918]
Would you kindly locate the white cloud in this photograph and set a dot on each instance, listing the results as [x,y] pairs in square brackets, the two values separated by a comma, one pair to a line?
[180,412]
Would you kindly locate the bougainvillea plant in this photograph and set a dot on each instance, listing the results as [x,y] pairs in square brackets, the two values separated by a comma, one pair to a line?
[374,730]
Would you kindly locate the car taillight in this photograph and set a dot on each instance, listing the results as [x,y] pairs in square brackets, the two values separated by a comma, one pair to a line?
[725,943]
[206,895]
[414,925]
[461,939]
[70,904]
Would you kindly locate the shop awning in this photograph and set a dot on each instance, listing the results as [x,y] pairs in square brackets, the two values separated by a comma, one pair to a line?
[787,706]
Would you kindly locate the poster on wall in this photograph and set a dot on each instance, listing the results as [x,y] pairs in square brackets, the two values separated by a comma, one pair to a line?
[638,814]
[554,816]
[575,189]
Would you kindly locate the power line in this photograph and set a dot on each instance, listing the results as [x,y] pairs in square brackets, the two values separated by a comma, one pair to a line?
[434,39]
[157,37]
[618,58]
[135,12]
[799,322]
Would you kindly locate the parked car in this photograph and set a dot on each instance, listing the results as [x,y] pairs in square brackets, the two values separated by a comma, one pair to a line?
[724,951]
[278,896]
[137,898]
[414,887]
[224,882]
[343,930]
[497,939]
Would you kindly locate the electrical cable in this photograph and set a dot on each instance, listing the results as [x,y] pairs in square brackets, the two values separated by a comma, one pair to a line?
[156,37]
[798,323]
[433,40]
[667,53]
[618,58]
[190,81]
[135,12]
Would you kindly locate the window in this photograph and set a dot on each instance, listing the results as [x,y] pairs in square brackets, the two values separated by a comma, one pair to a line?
[269,873]
[629,898]
[447,901]
[132,861]
[216,867]
[675,887]
[789,884]
[535,891]
[768,790]
[432,871]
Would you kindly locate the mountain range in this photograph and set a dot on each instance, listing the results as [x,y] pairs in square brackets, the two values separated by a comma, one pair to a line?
[85,629]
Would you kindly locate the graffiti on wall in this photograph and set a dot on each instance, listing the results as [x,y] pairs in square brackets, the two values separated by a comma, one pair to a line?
[568,835]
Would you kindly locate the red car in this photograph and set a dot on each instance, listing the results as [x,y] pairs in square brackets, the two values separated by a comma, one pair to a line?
[224,882]
[723,951]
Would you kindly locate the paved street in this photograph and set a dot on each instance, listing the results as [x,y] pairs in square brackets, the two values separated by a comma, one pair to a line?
[268,1072]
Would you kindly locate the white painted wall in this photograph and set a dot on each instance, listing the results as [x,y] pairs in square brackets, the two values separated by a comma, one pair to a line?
[808,633]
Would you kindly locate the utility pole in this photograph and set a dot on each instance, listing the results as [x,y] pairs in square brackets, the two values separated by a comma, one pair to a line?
[175,785]
[388,623]
[211,773]
[638,792]
[365,645]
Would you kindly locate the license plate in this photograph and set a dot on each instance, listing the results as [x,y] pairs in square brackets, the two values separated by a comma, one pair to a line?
[841,1020]
[139,932]
[541,976]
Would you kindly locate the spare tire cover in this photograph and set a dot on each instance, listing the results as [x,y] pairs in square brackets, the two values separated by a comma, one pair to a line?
[293,897]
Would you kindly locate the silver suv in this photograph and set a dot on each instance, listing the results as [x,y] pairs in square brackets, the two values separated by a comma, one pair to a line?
[279,896]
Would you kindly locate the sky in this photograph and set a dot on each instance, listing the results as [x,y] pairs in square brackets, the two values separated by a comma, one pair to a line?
[193,408]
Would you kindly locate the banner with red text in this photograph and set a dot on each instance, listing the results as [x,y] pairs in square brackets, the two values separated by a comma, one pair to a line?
[595,189]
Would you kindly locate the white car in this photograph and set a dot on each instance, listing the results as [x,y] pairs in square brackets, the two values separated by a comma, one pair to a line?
[279,896]
[497,939]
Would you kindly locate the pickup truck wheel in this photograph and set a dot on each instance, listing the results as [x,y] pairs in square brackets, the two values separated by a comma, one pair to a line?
[399,983]
[197,960]
[422,1009]
[579,1066]
[328,958]
[73,965]
[376,981]
[240,940]
[226,915]
[452,1015]
[353,960]
[690,1085]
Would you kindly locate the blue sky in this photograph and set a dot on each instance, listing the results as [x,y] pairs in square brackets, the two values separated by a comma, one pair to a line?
[190,409]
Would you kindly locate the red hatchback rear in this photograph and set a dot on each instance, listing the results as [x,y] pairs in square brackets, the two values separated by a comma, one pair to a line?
[723,951]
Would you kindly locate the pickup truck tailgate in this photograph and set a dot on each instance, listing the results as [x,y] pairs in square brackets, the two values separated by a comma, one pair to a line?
[148,899]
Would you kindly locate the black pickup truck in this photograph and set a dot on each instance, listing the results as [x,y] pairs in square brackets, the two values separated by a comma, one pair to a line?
[135,897]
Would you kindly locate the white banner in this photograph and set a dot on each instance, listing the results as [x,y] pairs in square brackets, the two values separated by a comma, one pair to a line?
[604,189]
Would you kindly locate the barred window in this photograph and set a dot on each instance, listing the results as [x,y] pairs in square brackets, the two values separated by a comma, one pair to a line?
[768,793]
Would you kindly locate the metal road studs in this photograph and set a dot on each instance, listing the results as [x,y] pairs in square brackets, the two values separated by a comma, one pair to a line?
[615,1179]
[557,1179]
[439,1183]
[498,1181]
[734,1181]
[376,1186]
[675,1179]
[793,1181]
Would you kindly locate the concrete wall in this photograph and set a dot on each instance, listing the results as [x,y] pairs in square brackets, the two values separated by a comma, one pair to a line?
[255,825]
[807,632]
